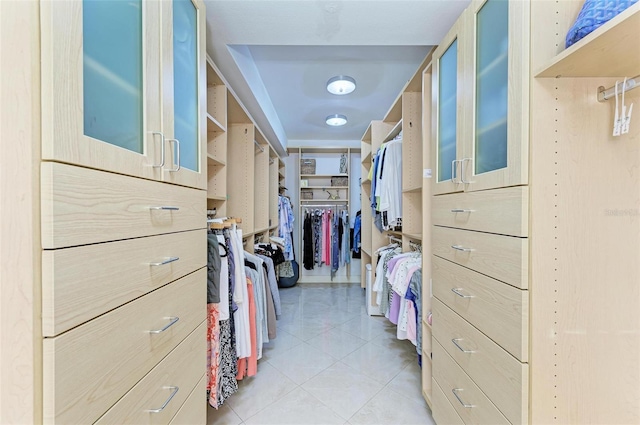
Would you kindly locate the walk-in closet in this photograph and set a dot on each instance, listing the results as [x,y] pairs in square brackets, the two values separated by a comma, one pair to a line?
[337,212]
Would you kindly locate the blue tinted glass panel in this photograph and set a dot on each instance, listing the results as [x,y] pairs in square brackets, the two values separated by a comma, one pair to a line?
[447,111]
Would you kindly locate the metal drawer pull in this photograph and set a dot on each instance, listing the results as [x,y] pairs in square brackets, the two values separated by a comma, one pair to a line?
[461,248]
[453,171]
[167,261]
[466,406]
[171,323]
[173,170]
[165,208]
[462,161]
[175,391]
[162,145]
[460,294]
[455,342]
[460,210]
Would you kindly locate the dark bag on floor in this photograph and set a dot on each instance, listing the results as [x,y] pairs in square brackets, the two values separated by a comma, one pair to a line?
[288,282]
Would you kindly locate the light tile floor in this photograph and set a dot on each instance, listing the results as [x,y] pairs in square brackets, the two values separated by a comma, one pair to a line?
[330,364]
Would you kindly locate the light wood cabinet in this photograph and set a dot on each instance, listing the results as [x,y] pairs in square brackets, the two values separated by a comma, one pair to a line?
[109,85]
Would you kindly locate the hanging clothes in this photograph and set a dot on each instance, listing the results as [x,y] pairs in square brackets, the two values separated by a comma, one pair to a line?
[386,185]
[285,226]
[307,243]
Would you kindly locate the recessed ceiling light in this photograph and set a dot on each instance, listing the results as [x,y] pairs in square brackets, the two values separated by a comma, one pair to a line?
[336,120]
[341,84]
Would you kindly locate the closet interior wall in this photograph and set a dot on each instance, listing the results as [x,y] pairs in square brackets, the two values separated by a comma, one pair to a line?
[407,115]
[314,193]
[244,171]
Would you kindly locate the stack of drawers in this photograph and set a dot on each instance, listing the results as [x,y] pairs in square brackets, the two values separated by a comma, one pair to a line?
[124,299]
[480,307]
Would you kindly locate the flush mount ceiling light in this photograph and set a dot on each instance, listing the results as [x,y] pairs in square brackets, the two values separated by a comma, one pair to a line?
[341,84]
[336,120]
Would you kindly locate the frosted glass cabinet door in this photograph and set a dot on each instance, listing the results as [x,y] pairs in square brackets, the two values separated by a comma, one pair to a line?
[184,92]
[101,85]
[496,155]
[448,115]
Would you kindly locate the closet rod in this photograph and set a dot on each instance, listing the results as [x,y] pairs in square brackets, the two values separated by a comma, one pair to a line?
[316,206]
[604,95]
[258,145]
[393,238]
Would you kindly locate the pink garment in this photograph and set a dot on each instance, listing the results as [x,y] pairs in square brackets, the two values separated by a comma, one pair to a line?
[213,352]
[249,366]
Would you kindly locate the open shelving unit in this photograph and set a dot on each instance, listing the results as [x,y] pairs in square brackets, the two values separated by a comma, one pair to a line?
[243,170]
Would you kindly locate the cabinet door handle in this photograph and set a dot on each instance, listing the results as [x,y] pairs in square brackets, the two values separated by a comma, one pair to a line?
[173,170]
[162,149]
[461,248]
[173,321]
[453,171]
[165,208]
[460,294]
[460,210]
[455,342]
[174,391]
[465,405]
[462,161]
[167,261]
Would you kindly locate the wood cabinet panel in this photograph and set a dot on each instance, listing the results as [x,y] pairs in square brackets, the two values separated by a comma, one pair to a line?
[443,411]
[503,211]
[87,369]
[120,272]
[179,372]
[498,374]
[498,310]
[473,406]
[193,411]
[502,257]
[82,206]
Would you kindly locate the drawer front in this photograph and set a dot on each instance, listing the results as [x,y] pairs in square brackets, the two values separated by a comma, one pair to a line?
[87,369]
[181,369]
[473,406]
[194,410]
[500,376]
[120,272]
[443,411]
[499,310]
[81,206]
[503,211]
[502,257]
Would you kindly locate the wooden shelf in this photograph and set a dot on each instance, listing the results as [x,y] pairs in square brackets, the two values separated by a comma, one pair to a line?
[262,230]
[211,159]
[366,250]
[326,201]
[424,322]
[323,187]
[367,159]
[394,132]
[415,236]
[323,176]
[366,181]
[275,226]
[392,233]
[213,126]
[416,189]
[610,51]
[216,198]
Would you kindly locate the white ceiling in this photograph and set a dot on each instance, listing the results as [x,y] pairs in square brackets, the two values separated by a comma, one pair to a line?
[278,55]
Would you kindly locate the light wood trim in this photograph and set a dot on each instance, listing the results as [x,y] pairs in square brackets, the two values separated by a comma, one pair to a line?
[63,137]
[500,311]
[609,51]
[502,257]
[87,369]
[448,375]
[273,194]
[261,190]
[457,32]
[412,214]
[183,368]
[411,140]
[443,411]
[82,206]
[240,174]
[585,230]
[120,272]
[20,328]
[193,411]
[426,370]
[217,104]
[503,211]
[186,177]
[498,374]
[517,169]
